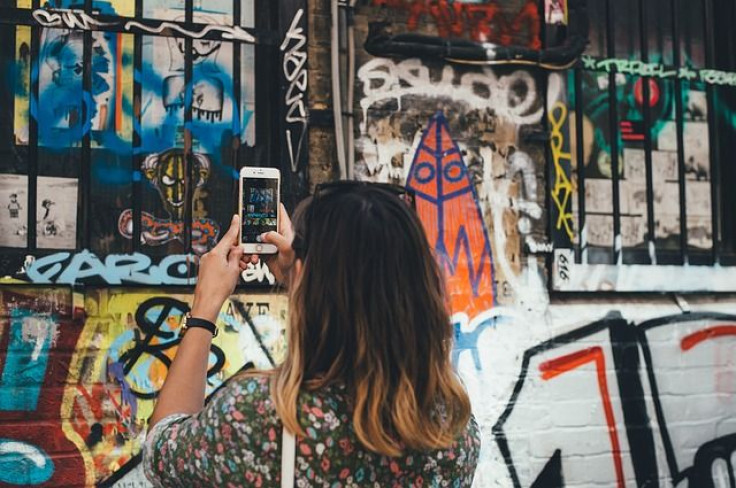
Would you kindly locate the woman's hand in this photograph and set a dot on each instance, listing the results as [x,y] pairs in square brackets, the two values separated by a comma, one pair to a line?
[219,270]
[283,260]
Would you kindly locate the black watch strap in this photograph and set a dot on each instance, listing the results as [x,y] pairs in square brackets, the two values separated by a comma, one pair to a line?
[191,322]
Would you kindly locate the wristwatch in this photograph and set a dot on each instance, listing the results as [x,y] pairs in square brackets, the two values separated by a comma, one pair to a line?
[190,322]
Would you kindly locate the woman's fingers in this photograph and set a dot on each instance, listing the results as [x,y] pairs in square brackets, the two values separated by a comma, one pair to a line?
[285,228]
[235,254]
[230,238]
[281,242]
[247,259]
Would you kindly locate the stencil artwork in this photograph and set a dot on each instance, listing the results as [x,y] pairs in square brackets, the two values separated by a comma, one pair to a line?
[56,221]
[14,208]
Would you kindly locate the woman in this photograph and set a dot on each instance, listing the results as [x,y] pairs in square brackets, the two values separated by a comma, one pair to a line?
[367,385]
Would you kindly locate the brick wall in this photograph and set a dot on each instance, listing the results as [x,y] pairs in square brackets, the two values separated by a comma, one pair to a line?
[80,372]
[591,390]
[594,390]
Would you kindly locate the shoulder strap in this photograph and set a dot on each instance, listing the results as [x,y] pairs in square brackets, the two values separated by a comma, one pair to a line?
[288,459]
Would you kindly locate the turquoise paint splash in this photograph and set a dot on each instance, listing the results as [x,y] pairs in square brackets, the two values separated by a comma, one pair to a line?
[24,464]
[31,337]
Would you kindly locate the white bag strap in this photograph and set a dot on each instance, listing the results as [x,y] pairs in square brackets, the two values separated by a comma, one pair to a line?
[288,459]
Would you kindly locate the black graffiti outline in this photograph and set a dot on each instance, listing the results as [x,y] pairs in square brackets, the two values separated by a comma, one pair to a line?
[626,339]
[498,430]
[135,461]
[676,473]
[146,331]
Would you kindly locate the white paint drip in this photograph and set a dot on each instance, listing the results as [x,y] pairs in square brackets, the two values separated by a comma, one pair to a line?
[39,331]
[652,252]
[520,162]
[490,50]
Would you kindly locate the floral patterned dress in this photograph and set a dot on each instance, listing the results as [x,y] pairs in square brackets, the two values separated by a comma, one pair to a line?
[236,441]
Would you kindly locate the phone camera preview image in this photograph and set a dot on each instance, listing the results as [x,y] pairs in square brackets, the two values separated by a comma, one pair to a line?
[260,210]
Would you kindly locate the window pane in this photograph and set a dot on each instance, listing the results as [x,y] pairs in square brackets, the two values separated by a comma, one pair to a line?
[162,145]
[112,145]
[697,170]
[247,13]
[665,171]
[164,9]
[692,46]
[248,94]
[626,26]
[659,31]
[598,232]
[125,8]
[213,11]
[597,36]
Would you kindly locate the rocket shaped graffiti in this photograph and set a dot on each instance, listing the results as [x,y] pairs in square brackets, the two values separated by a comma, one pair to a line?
[448,207]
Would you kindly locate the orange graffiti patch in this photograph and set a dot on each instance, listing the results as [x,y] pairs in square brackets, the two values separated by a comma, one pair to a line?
[448,207]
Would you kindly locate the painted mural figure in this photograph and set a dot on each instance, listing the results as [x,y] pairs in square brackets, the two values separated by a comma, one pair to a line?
[62,100]
[208,91]
[167,172]
[49,218]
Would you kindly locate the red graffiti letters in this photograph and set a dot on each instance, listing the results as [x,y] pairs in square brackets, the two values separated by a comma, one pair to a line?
[483,22]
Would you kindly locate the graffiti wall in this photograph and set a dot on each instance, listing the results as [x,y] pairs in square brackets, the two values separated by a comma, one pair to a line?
[123,126]
[125,137]
[85,371]
[515,181]
[546,188]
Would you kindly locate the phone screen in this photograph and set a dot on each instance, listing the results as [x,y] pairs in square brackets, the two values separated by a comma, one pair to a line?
[260,207]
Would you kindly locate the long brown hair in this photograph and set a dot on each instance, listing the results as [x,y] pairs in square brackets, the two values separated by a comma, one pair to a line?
[369,311]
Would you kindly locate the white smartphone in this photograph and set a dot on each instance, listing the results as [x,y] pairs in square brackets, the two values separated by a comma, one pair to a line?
[259,207]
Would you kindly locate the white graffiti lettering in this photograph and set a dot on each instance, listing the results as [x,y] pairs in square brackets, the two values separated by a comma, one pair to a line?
[294,66]
[117,269]
[654,70]
[716,77]
[258,272]
[78,19]
[65,268]
[234,33]
[512,96]
[537,247]
[70,18]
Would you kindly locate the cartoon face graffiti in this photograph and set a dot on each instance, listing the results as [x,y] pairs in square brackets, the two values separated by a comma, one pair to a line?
[207,90]
[167,171]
